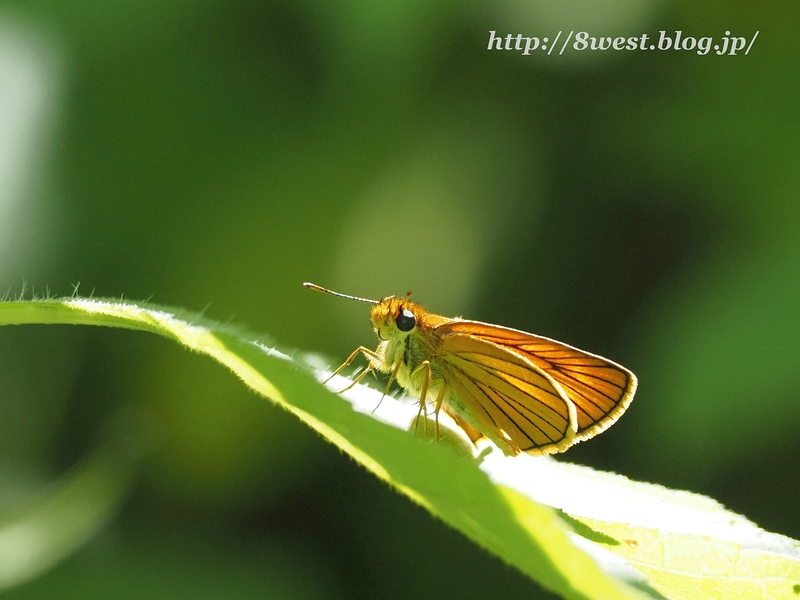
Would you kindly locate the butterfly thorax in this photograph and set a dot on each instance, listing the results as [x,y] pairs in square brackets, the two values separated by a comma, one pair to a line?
[406,350]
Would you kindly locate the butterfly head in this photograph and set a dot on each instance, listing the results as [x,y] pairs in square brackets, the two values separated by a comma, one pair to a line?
[394,318]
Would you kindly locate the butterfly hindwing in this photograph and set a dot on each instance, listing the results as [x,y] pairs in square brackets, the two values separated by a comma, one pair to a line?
[505,396]
[599,389]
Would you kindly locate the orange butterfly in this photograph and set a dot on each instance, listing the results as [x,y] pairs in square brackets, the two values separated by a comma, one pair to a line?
[524,392]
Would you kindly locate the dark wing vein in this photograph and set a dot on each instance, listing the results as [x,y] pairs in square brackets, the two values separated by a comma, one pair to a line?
[510,382]
[515,397]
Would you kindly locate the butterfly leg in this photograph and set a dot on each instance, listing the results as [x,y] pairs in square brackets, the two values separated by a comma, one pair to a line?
[423,396]
[371,356]
[392,377]
[438,405]
[355,381]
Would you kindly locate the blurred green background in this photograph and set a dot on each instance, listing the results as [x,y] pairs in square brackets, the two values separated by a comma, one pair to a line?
[214,155]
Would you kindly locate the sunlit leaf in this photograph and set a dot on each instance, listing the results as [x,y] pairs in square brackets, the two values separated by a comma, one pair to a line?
[614,538]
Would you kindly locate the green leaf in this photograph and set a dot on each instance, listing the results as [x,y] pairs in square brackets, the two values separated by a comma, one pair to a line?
[688,546]
[614,538]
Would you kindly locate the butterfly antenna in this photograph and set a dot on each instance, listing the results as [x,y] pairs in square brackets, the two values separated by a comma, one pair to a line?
[318,288]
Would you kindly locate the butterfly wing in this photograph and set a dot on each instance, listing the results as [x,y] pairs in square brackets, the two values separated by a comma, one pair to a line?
[599,389]
[504,396]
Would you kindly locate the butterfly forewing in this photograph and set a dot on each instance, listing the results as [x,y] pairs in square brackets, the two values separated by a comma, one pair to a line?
[509,399]
[599,389]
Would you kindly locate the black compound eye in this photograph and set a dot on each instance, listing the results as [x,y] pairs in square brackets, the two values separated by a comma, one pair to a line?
[406,320]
